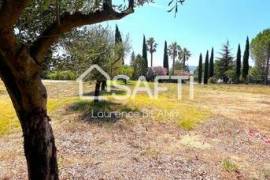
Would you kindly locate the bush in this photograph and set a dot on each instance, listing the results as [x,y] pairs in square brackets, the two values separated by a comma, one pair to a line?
[229,165]
[212,80]
[62,75]
[127,70]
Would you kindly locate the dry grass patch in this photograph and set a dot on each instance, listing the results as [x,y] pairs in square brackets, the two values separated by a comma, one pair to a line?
[185,115]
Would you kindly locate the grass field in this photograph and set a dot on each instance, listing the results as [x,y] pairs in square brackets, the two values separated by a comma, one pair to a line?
[223,133]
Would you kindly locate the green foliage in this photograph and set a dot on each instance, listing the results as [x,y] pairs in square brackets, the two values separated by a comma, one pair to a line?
[260,51]
[173,51]
[229,166]
[138,67]
[245,70]
[62,75]
[85,47]
[144,56]
[200,71]
[212,80]
[151,47]
[224,63]
[211,65]
[178,65]
[127,70]
[165,57]
[231,74]
[93,45]
[206,73]
[119,51]
[183,56]
[238,64]
[255,75]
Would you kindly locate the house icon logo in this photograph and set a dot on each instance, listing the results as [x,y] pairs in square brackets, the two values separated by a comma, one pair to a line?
[83,76]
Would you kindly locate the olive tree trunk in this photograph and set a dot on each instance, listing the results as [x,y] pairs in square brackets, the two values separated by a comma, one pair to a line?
[29,98]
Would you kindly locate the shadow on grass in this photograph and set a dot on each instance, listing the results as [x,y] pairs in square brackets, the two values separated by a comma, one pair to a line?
[103,111]
[105,93]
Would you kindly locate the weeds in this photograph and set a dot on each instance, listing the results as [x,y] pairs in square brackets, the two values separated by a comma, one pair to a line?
[229,165]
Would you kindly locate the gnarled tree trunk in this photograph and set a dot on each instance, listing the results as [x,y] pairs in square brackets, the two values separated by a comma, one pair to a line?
[22,79]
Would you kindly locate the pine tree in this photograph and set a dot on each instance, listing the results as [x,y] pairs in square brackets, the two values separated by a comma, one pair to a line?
[166,58]
[144,56]
[206,74]
[238,64]
[224,65]
[200,69]
[211,68]
[246,61]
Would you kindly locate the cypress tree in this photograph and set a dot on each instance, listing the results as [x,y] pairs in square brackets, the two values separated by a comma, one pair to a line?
[211,68]
[118,37]
[200,69]
[238,64]
[144,56]
[245,61]
[206,74]
[119,43]
[166,58]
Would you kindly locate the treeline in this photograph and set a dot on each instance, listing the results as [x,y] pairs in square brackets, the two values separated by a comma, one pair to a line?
[229,69]
[84,47]
[105,47]
[225,69]
[174,51]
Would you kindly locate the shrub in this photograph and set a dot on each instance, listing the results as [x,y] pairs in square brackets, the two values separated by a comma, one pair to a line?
[127,70]
[212,80]
[62,75]
[229,166]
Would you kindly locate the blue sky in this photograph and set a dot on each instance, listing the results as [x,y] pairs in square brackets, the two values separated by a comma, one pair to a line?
[198,26]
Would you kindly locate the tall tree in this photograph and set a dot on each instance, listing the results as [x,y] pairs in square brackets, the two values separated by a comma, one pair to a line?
[206,70]
[132,58]
[144,56]
[118,37]
[119,45]
[166,58]
[174,48]
[184,55]
[200,69]
[224,65]
[238,64]
[246,61]
[138,67]
[211,65]
[260,51]
[152,48]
